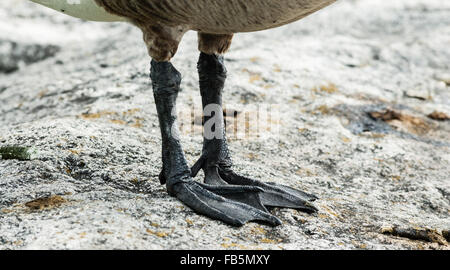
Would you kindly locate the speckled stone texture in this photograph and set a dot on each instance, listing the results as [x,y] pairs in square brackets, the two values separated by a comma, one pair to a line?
[355,84]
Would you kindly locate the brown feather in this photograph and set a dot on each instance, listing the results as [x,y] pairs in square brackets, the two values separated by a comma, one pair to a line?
[218,18]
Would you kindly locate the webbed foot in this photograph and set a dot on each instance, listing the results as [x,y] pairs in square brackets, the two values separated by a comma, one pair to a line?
[223,202]
[271,195]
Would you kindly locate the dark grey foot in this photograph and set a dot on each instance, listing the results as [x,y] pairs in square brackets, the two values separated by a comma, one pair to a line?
[271,195]
[216,161]
[274,195]
[222,203]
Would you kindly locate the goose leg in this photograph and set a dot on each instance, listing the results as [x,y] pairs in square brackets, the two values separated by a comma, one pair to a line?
[216,161]
[210,200]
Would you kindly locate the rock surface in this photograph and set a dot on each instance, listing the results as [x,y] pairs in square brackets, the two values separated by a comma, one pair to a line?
[354,84]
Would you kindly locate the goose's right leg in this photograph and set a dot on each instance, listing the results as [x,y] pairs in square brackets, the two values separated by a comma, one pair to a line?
[215,160]
[213,201]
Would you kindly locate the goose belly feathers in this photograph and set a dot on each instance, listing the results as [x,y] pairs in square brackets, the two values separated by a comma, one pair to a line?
[207,16]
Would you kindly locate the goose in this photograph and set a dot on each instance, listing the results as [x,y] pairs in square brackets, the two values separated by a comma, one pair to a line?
[224,194]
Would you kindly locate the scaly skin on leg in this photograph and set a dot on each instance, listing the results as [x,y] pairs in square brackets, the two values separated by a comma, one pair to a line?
[210,200]
[216,161]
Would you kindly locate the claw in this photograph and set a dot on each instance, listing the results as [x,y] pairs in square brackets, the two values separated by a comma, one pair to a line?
[208,200]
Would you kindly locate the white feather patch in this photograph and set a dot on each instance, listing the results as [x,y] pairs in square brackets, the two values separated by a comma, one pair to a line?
[83,9]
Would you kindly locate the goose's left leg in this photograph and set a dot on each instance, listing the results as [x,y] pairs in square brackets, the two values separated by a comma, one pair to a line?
[215,160]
